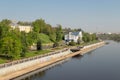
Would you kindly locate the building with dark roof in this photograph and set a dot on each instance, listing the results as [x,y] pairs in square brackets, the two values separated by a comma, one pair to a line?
[73,36]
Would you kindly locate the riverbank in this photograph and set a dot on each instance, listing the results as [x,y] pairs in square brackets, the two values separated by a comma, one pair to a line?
[99,64]
[37,66]
[32,54]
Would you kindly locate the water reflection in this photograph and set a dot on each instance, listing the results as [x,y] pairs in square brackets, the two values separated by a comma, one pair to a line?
[99,64]
[37,75]
[40,72]
[77,56]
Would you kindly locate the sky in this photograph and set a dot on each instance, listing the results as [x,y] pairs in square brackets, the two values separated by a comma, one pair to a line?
[89,15]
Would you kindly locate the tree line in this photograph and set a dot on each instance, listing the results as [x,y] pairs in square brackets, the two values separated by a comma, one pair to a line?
[87,37]
[14,44]
[115,37]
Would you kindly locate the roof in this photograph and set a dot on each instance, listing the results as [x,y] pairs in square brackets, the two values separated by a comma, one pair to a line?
[75,33]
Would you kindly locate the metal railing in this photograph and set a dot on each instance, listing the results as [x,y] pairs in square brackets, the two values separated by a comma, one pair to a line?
[31,58]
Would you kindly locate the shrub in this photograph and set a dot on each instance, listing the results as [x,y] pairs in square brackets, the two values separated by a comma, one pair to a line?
[72,43]
[56,44]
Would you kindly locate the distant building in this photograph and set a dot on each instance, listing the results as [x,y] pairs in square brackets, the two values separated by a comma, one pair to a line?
[109,33]
[73,36]
[27,29]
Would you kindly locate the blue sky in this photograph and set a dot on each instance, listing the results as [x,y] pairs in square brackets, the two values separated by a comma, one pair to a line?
[90,15]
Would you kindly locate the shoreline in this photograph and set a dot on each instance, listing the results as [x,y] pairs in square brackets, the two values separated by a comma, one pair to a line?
[44,64]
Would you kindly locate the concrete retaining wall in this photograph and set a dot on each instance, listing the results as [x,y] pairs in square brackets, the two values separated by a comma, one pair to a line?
[88,46]
[13,68]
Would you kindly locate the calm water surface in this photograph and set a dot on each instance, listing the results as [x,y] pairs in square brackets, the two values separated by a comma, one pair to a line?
[100,64]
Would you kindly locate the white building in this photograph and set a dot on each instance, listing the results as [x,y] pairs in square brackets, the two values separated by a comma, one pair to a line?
[73,36]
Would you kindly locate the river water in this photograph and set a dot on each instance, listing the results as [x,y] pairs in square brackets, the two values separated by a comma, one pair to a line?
[100,64]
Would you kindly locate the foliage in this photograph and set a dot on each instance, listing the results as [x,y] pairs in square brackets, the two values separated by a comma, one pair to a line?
[55,34]
[24,23]
[2,60]
[45,39]
[89,37]
[56,44]
[59,33]
[115,37]
[4,28]
[39,25]
[15,44]
[10,47]
[35,53]
[72,43]
[10,44]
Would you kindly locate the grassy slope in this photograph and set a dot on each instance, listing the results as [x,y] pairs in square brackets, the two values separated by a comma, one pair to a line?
[28,54]
[35,53]
[44,38]
[2,61]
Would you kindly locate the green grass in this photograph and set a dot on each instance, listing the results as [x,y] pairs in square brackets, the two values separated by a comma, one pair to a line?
[3,61]
[44,38]
[88,43]
[35,53]
[59,48]
[28,54]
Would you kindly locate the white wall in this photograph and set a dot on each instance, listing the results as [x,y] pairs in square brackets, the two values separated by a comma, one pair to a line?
[73,37]
[21,66]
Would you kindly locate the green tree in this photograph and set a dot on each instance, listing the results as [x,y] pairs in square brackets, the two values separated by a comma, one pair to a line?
[84,38]
[39,25]
[10,44]
[52,35]
[10,47]
[24,43]
[72,43]
[24,23]
[47,29]
[94,37]
[59,33]
[4,28]
[87,37]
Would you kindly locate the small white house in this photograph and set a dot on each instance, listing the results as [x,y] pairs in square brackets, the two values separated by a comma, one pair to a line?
[73,36]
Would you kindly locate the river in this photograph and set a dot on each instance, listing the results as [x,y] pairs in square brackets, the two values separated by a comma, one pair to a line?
[100,64]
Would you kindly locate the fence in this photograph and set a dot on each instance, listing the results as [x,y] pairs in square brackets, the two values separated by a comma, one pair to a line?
[31,58]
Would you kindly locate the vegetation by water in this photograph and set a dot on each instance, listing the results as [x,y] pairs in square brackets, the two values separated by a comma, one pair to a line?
[86,39]
[115,37]
[91,42]
[100,64]
[27,55]
[15,44]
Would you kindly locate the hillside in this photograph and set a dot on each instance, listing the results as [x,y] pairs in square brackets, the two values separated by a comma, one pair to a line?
[44,38]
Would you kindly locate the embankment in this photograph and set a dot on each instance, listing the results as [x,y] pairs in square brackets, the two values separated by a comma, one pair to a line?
[26,67]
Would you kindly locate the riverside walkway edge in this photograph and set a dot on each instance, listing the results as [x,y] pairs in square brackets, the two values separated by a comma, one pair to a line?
[38,66]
